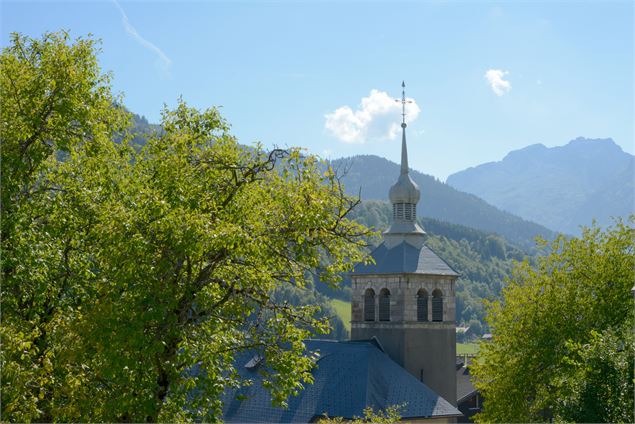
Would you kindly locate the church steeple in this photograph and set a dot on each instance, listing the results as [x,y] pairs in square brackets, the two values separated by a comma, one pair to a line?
[406,297]
[404,195]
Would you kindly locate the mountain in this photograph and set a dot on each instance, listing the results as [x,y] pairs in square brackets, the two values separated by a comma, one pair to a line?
[560,187]
[371,176]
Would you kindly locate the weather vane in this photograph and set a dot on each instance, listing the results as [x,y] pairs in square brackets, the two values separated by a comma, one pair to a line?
[403,104]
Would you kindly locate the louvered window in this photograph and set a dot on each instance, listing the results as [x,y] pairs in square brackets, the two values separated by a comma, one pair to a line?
[437,306]
[369,305]
[405,211]
[408,211]
[422,305]
[384,305]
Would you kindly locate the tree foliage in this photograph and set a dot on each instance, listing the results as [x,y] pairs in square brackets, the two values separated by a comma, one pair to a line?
[389,415]
[131,277]
[562,345]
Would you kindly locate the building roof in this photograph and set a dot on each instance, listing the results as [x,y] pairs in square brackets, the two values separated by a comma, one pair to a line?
[464,386]
[349,376]
[405,258]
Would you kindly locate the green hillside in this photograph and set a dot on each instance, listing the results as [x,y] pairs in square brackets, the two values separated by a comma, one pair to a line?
[372,176]
[466,348]
[343,309]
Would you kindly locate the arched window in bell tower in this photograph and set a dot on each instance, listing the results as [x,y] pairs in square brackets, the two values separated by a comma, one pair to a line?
[384,305]
[369,305]
[422,305]
[437,305]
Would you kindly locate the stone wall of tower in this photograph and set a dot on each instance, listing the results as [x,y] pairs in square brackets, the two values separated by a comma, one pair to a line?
[403,294]
[425,349]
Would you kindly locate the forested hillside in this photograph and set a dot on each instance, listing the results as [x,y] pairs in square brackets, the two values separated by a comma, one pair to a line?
[309,295]
[372,176]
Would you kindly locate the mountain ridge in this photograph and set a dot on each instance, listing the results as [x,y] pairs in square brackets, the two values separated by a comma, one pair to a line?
[561,187]
[371,176]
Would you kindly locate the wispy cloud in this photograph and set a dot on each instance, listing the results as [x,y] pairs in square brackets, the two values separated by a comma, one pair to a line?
[164,60]
[496,80]
[377,118]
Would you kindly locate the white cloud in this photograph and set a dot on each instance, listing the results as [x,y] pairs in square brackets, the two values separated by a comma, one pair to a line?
[496,81]
[163,58]
[377,118]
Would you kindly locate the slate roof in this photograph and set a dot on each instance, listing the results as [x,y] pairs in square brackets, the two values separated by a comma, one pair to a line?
[464,386]
[405,258]
[349,376]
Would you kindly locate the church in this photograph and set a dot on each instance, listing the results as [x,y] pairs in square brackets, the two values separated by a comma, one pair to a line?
[403,335]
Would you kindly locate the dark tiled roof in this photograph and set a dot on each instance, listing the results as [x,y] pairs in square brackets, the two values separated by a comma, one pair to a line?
[464,386]
[405,258]
[349,376]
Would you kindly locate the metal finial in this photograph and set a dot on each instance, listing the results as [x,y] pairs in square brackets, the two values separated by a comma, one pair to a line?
[403,104]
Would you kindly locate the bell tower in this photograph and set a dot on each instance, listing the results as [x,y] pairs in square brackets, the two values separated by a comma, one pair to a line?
[406,299]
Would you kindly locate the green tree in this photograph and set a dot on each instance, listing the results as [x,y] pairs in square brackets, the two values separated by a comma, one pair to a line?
[54,101]
[562,345]
[131,278]
[596,384]
[388,416]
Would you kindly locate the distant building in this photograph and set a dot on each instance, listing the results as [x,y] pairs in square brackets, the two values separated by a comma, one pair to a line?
[462,333]
[403,335]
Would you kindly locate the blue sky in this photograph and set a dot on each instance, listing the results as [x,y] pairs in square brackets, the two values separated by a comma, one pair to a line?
[487,77]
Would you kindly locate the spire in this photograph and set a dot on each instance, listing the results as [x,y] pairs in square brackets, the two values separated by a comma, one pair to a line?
[404,194]
[405,191]
[404,151]
[404,147]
